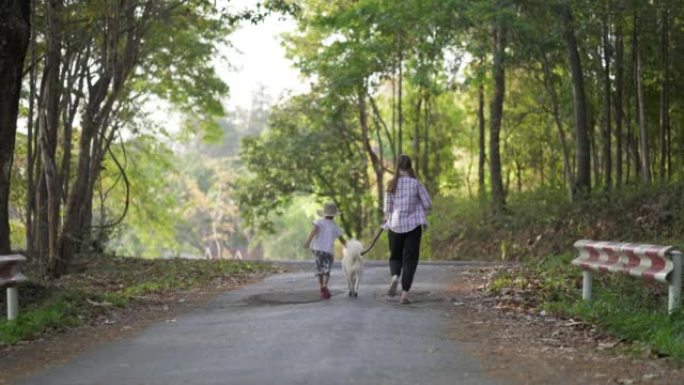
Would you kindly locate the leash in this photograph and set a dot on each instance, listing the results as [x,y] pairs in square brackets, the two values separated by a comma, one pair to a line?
[373,242]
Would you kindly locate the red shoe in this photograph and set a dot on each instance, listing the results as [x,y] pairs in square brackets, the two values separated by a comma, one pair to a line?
[325,293]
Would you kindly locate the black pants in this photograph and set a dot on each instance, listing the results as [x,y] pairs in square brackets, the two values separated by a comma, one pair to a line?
[404,253]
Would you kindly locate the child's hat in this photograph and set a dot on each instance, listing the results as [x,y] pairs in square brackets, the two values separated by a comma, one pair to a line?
[329,210]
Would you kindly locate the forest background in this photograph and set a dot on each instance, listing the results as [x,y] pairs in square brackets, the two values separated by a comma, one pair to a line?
[532,124]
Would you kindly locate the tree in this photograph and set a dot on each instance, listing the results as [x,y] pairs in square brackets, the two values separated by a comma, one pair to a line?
[582,151]
[300,154]
[96,75]
[496,111]
[15,30]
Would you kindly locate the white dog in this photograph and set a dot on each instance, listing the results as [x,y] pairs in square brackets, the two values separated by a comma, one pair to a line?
[352,265]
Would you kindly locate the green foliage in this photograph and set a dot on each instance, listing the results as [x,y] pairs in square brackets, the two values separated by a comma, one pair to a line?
[552,279]
[112,283]
[663,333]
[626,307]
[17,234]
[62,310]
[305,151]
[148,228]
[543,222]
[291,230]
[32,324]
[177,62]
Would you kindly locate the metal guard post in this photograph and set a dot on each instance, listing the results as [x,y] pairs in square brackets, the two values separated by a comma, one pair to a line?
[674,298]
[587,284]
[10,277]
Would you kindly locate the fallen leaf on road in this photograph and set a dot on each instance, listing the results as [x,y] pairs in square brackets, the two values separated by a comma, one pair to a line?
[607,345]
[95,303]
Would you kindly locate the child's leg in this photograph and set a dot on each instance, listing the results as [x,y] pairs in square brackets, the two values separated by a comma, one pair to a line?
[320,267]
[324,279]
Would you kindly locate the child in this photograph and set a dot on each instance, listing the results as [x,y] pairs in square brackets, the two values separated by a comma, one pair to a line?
[322,244]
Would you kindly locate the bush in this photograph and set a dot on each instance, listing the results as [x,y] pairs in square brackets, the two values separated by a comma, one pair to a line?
[628,308]
[543,222]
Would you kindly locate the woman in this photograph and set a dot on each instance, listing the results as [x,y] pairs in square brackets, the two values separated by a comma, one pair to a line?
[407,203]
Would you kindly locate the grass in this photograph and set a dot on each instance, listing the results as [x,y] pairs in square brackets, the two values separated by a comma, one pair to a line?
[628,308]
[539,228]
[80,298]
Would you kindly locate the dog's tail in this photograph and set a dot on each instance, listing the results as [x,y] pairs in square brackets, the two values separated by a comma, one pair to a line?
[353,248]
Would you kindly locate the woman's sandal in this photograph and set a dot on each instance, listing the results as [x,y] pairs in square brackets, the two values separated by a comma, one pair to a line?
[392,291]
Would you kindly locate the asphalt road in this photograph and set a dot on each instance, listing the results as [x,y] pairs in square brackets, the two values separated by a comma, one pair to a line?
[279,332]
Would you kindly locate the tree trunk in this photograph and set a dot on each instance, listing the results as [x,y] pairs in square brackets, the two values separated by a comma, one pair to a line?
[619,74]
[498,194]
[518,175]
[381,175]
[15,33]
[400,116]
[76,222]
[48,126]
[365,137]
[641,106]
[665,171]
[30,144]
[377,118]
[555,106]
[582,150]
[70,104]
[594,147]
[482,159]
[416,135]
[125,26]
[426,144]
[607,135]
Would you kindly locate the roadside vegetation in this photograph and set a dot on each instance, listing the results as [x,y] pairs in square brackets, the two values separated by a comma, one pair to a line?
[539,232]
[94,295]
[630,309]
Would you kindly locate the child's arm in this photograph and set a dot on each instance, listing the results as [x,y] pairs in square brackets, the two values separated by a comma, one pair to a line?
[314,231]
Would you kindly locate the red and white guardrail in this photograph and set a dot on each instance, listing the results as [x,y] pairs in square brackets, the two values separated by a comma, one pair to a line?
[653,262]
[10,277]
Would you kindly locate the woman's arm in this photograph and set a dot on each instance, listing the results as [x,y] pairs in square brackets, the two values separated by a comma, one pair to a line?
[389,204]
[424,197]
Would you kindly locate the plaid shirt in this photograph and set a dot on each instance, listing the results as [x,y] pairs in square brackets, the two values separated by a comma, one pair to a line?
[407,207]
